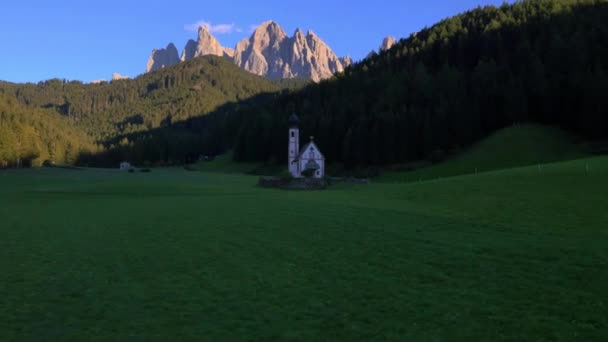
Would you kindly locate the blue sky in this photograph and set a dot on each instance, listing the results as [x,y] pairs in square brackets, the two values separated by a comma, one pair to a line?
[88,40]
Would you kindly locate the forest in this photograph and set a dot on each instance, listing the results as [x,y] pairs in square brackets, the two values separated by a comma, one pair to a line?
[31,136]
[439,90]
[108,112]
[450,85]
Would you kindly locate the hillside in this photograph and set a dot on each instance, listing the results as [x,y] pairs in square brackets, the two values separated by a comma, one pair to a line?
[514,146]
[444,88]
[31,136]
[156,99]
[452,84]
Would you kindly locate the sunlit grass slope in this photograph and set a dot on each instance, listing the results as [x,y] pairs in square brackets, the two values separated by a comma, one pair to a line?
[510,147]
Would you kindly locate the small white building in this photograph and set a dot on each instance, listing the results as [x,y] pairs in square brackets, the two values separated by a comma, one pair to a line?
[124,166]
[308,159]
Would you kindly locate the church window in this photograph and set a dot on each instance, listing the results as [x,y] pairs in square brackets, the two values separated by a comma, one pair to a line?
[293,134]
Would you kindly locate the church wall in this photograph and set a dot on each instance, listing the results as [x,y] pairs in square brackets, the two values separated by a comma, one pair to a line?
[319,160]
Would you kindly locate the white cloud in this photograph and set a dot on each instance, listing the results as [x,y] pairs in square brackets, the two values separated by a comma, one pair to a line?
[217,29]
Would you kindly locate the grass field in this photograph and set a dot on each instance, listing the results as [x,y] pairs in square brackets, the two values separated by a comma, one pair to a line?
[224,164]
[510,147]
[518,254]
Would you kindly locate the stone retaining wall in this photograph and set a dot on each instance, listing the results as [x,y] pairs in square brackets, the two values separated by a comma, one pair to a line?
[293,184]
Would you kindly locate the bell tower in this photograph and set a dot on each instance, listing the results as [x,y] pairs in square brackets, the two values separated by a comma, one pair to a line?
[293,148]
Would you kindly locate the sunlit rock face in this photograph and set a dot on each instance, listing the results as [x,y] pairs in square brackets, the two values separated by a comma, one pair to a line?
[162,58]
[206,44]
[387,43]
[268,52]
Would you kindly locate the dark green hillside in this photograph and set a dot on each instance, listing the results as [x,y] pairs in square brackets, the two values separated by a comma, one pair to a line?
[31,136]
[444,88]
[453,84]
[157,99]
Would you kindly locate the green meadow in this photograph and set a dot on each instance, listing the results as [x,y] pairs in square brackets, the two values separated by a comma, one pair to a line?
[514,254]
[515,146]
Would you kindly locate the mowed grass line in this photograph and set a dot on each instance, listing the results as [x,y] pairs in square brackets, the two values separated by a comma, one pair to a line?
[106,255]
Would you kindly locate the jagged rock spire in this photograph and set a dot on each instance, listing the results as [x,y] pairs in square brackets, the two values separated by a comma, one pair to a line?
[267,52]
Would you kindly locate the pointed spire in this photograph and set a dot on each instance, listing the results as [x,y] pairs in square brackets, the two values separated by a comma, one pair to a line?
[204,30]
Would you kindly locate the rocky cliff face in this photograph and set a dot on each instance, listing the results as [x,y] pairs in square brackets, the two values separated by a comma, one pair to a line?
[309,56]
[262,53]
[346,61]
[268,52]
[116,77]
[162,58]
[387,43]
[206,44]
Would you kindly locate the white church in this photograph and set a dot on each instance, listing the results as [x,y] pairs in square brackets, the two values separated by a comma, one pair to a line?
[308,158]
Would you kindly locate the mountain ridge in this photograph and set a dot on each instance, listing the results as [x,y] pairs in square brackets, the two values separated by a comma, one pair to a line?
[268,52]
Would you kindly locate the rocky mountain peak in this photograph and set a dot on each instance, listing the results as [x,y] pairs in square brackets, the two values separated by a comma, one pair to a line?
[346,61]
[162,58]
[206,44]
[267,34]
[116,77]
[189,51]
[205,35]
[298,35]
[271,27]
[387,43]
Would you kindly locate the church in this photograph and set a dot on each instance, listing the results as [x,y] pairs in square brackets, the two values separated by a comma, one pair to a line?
[308,160]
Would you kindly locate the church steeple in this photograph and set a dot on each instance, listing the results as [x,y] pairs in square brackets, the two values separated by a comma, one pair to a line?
[294,121]
[293,148]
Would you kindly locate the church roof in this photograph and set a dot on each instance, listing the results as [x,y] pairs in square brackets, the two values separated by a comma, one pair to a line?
[307,147]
